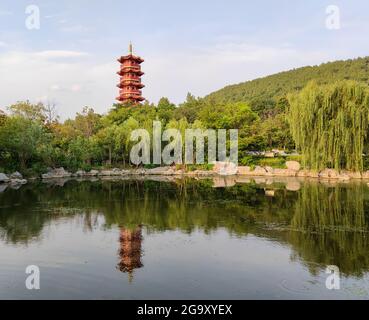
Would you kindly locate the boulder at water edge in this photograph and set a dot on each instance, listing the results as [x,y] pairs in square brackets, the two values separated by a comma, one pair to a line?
[4,178]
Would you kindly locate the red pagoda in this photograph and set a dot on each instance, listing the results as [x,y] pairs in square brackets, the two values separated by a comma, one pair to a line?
[130,78]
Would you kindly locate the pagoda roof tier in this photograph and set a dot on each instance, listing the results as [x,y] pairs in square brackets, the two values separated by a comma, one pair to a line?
[135,98]
[123,72]
[131,57]
[124,84]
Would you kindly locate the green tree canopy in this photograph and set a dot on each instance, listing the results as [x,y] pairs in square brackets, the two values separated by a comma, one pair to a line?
[329,124]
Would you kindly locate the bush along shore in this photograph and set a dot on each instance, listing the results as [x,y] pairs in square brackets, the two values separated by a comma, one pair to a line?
[293,169]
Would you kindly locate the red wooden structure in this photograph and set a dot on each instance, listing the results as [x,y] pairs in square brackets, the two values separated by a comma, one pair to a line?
[130,78]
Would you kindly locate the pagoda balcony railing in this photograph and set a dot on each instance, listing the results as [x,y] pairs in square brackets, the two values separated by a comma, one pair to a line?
[138,92]
[131,80]
[133,68]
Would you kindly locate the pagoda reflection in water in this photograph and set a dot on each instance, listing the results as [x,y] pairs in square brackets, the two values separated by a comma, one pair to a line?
[130,251]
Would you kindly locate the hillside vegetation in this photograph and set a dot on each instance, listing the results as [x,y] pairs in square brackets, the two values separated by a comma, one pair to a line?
[263,94]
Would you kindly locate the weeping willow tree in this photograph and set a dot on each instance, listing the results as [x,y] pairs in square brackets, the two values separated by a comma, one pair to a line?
[329,124]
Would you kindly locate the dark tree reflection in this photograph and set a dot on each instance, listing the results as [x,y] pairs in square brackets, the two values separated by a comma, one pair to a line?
[321,223]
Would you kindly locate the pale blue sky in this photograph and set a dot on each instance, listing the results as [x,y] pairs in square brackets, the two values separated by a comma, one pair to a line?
[196,46]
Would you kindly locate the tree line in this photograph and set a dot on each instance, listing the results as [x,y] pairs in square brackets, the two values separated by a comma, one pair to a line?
[327,123]
[32,138]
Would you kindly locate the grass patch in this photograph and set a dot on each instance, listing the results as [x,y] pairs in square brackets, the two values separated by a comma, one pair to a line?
[253,161]
[203,167]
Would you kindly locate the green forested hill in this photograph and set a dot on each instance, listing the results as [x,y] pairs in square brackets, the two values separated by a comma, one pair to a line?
[263,93]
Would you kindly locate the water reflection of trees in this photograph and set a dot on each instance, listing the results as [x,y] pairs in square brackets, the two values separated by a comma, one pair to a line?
[323,224]
[333,225]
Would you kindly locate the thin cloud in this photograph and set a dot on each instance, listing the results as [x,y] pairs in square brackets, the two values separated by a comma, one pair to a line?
[50,54]
[73,84]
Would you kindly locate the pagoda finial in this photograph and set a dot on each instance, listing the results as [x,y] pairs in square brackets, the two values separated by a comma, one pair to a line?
[130,48]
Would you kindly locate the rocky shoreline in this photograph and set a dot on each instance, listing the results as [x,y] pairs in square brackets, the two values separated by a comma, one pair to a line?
[293,169]
[220,169]
[15,180]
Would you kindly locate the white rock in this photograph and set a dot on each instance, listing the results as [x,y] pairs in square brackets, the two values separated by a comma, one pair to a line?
[352,175]
[313,174]
[269,170]
[284,173]
[138,172]
[293,165]
[329,174]
[244,171]
[92,173]
[116,172]
[4,178]
[56,174]
[16,175]
[259,171]
[80,173]
[159,171]
[303,173]
[203,173]
[225,168]
[344,177]
[105,173]
[179,172]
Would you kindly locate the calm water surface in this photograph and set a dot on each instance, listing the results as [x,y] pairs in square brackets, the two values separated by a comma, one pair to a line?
[231,238]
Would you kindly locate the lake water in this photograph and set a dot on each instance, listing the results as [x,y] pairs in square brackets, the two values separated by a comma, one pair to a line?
[163,238]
